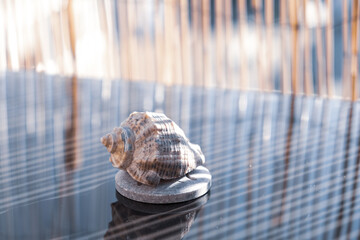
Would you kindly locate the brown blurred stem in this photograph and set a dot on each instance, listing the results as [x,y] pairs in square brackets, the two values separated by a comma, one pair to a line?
[197,40]
[308,85]
[71,28]
[354,49]
[206,40]
[329,49]
[346,80]
[319,49]
[269,15]
[219,33]
[228,37]
[244,82]
[294,29]
[284,72]
[257,5]
[185,43]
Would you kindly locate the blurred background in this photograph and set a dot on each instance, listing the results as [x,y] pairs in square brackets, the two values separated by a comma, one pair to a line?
[268,89]
[304,47]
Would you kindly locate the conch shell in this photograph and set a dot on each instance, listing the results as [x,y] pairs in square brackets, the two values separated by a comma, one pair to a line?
[150,147]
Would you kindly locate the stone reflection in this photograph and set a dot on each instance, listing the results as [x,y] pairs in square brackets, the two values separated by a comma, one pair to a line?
[134,220]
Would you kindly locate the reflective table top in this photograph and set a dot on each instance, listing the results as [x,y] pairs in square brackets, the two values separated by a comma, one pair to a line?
[283,167]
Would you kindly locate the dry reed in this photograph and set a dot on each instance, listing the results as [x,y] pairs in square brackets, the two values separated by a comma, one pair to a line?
[207,73]
[354,49]
[319,50]
[345,68]
[284,52]
[197,42]
[230,80]
[329,49]
[293,17]
[243,56]
[257,5]
[219,32]
[308,85]
[269,16]
[186,60]
[180,46]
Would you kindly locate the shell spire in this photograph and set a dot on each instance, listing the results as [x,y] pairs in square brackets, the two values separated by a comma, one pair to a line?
[108,141]
[118,143]
[151,147]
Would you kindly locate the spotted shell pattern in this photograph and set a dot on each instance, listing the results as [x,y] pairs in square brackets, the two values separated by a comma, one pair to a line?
[150,147]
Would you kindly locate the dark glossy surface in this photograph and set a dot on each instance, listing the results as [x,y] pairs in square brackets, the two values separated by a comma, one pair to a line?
[282,167]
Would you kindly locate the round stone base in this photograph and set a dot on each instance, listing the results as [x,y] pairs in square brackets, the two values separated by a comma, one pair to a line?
[190,186]
[152,208]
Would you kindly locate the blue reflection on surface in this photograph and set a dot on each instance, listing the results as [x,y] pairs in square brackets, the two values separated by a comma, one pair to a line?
[283,167]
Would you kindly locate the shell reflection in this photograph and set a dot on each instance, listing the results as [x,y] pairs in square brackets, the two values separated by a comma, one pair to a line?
[134,220]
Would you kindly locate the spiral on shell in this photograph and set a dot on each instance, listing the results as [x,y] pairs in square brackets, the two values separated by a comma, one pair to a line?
[151,147]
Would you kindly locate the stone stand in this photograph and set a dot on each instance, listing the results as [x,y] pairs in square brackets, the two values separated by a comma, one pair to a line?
[190,186]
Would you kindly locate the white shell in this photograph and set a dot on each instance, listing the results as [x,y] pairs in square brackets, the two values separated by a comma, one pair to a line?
[150,147]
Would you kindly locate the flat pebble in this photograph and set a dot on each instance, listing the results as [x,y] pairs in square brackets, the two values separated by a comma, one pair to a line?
[188,187]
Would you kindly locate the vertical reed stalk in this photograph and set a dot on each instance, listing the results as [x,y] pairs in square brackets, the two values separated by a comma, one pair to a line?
[12,38]
[159,42]
[284,56]
[140,26]
[293,8]
[172,63]
[133,44]
[185,43]
[228,38]
[29,38]
[345,30]
[257,5]
[319,50]
[206,42]
[58,43]
[176,42]
[243,31]
[3,64]
[72,35]
[269,16]
[169,34]
[111,23]
[354,49]
[38,36]
[308,85]
[149,47]
[102,15]
[197,42]
[124,46]
[114,50]
[106,23]
[19,33]
[220,74]
[329,49]
[68,61]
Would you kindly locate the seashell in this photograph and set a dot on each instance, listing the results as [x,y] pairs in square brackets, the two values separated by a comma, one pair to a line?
[150,147]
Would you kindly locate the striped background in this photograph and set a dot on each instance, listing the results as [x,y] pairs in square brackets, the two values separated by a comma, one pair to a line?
[305,47]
